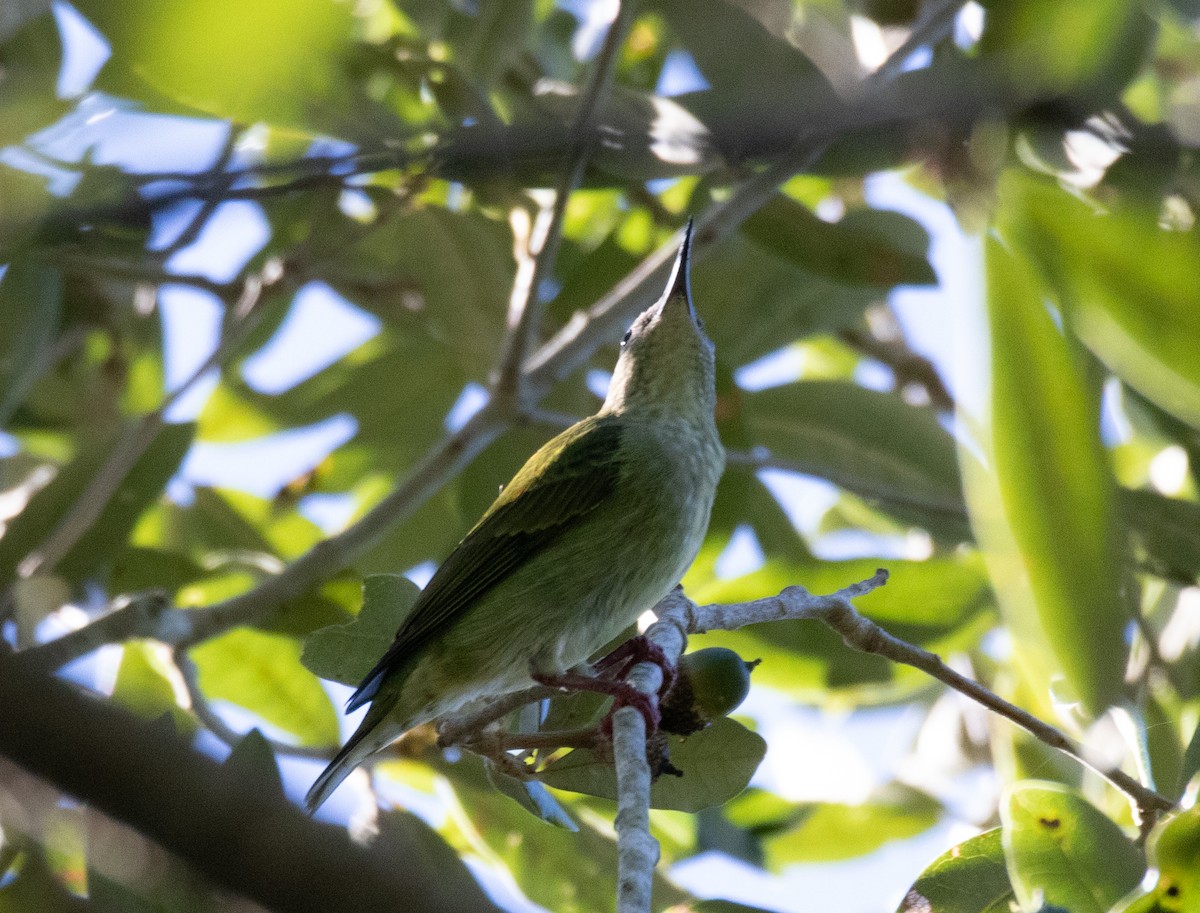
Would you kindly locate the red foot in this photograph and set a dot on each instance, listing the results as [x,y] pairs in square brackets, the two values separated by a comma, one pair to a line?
[638,650]
[622,693]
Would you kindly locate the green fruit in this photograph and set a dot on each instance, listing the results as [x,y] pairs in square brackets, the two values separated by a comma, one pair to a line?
[709,683]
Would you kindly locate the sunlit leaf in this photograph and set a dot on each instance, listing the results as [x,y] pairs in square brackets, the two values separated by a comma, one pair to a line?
[262,673]
[968,878]
[1055,487]
[147,684]
[1062,851]
[1124,284]
[833,831]
[273,61]
[894,455]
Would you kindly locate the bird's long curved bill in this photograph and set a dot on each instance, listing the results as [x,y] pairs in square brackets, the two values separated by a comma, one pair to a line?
[680,283]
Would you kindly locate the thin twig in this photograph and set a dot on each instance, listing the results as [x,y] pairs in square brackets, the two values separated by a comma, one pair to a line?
[88,507]
[222,730]
[866,636]
[537,261]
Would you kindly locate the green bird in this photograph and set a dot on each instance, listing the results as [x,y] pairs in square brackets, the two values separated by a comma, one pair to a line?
[592,531]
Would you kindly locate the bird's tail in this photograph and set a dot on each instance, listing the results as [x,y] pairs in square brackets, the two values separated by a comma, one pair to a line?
[375,732]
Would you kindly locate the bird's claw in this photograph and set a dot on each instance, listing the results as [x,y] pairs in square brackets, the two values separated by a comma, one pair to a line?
[636,650]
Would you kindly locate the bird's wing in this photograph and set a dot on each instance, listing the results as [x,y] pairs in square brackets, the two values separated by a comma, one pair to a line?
[561,484]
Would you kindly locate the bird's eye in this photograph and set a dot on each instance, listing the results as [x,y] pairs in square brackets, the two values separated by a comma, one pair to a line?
[626,337]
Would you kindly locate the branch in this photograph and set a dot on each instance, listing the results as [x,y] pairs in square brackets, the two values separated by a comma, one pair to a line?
[537,261]
[244,837]
[864,635]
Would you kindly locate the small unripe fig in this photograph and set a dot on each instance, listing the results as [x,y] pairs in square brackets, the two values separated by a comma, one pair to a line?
[709,683]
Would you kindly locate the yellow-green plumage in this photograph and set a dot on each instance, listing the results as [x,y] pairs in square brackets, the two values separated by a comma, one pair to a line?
[593,530]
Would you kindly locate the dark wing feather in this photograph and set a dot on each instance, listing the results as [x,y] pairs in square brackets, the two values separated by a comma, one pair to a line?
[562,483]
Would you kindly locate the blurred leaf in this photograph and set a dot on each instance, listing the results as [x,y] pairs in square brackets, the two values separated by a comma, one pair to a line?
[871,443]
[1191,761]
[253,759]
[34,598]
[1169,531]
[401,835]
[1055,487]
[35,890]
[137,569]
[829,832]
[283,63]
[346,653]
[968,878]
[31,301]
[858,250]
[1174,850]
[109,533]
[531,796]
[562,871]
[26,205]
[30,56]
[1092,48]
[146,683]
[754,302]
[1125,284]
[717,763]
[1062,851]
[262,673]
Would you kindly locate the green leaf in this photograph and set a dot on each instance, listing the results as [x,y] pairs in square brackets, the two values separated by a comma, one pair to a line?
[858,250]
[1125,283]
[531,796]
[146,683]
[968,878]
[753,302]
[1062,851]
[562,871]
[262,673]
[1055,487]
[874,444]
[828,832]
[26,206]
[717,763]
[1174,849]
[1169,532]
[1056,49]
[31,301]
[279,62]
[346,653]
[1191,761]
[109,534]
[253,758]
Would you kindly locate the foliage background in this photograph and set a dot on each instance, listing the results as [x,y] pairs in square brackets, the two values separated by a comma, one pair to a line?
[1034,501]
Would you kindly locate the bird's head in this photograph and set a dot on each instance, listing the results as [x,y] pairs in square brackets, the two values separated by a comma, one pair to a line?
[666,360]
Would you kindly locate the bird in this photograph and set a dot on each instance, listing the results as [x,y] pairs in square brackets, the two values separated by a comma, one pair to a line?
[597,526]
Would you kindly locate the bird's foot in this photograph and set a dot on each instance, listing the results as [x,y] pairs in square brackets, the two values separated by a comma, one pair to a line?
[636,650]
[622,693]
